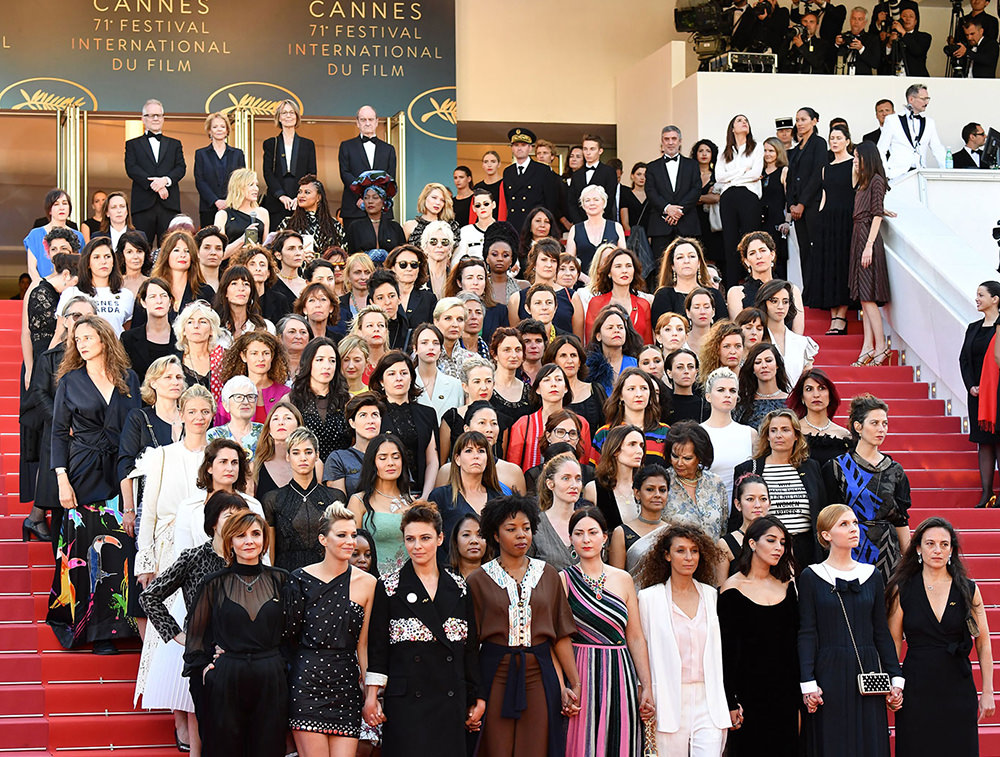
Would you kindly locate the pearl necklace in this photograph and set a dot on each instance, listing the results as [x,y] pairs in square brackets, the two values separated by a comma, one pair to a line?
[768,396]
[817,428]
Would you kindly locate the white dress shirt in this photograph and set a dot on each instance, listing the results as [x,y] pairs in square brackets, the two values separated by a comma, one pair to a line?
[369,148]
[744,170]
[154,145]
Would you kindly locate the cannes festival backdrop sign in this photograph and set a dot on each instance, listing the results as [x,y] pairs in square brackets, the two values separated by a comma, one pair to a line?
[199,56]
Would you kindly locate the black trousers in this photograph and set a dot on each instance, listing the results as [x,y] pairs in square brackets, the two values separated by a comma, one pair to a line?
[805,229]
[740,211]
[153,222]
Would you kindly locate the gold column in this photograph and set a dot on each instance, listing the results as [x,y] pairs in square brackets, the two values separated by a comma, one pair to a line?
[69,159]
[243,134]
[395,134]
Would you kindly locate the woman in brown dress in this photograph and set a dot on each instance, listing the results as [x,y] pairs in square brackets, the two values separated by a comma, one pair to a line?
[868,277]
[528,670]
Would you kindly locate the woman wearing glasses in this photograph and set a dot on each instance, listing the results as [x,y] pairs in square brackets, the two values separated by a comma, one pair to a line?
[416,299]
[472,236]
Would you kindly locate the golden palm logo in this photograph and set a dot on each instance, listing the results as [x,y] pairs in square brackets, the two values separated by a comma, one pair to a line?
[448,110]
[257,106]
[47,93]
[435,113]
[258,97]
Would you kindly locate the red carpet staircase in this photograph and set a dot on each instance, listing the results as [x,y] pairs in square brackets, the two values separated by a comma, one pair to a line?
[939,460]
[72,703]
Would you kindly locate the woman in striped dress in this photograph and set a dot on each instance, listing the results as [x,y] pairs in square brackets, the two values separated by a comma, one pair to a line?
[609,647]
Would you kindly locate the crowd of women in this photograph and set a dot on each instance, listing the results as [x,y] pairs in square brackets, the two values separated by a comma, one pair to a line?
[418,502]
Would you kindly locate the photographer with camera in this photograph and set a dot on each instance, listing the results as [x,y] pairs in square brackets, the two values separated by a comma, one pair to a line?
[761,29]
[908,45]
[858,48]
[977,54]
[991,26]
[809,53]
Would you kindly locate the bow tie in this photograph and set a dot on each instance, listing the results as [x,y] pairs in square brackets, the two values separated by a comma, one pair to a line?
[844,586]
[367,139]
[669,159]
[978,152]
[916,117]
[151,135]
[591,168]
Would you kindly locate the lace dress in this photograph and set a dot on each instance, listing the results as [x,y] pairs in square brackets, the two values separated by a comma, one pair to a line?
[294,514]
[42,316]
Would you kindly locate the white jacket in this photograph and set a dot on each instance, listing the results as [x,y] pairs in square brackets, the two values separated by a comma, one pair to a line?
[657,617]
[902,154]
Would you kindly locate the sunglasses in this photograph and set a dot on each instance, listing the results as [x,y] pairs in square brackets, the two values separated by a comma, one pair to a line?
[414,264]
[435,242]
[338,266]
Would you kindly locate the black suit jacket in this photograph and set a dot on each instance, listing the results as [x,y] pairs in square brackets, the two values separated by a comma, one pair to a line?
[962,159]
[279,178]
[832,22]
[604,176]
[816,55]
[211,175]
[743,29]
[140,165]
[873,136]
[983,60]
[970,375]
[991,27]
[915,46]
[361,235]
[805,166]
[353,162]
[524,193]
[866,61]
[661,193]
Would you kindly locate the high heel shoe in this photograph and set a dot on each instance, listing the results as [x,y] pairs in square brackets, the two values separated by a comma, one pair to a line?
[181,746]
[988,503]
[837,332]
[36,527]
[883,358]
[863,359]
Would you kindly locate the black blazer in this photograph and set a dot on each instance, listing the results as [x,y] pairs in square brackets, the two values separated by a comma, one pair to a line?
[604,176]
[360,236]
[211,175]
[432,668]
[983,60]
[962,159]
[866,61]
[970,375]
[817,56]
[282,173]
[661,193]
[991,27]
[915,46]
[832,22]
[873,136]
[141,166]
[353,162]
[805,165]
[524,193]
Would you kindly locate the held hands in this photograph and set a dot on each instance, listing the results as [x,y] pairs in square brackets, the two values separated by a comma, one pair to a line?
[813,701]
[372,712]
[474,721]
[647,707]
[571,700]
[987,708]
[895,698]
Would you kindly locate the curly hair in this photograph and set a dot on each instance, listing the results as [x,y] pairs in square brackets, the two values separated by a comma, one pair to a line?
[233,363]
[204,478]
[501,509]
[754,236]
[861,405]
[614,406]
[113,355]
[654,568]
[502,333]
[248,251]
[709,359]
[604,284]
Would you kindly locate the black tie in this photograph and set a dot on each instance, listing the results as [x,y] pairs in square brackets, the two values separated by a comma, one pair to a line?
[520,170]
[917,117]
[591,168]
[151,135]
[670,159]
[367,139]
[978,152]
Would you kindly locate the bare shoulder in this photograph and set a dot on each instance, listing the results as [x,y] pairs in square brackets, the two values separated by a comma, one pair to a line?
[732,582]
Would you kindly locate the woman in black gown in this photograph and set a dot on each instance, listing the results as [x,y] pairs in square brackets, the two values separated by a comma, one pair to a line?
[376,230]
[429,671]
[96,390]
[759,621]
[802,188]
[319,391]
[844,723]
[294,509]
[328,605]
[243,705]
[975,347]
[772,199]
[930,598]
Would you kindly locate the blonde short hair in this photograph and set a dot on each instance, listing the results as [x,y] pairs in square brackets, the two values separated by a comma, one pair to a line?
[236,190]
[359,259]
[596,191]
[211,117]
[189,311]
[827,519]
[155,371]
[434,228]
[282,104]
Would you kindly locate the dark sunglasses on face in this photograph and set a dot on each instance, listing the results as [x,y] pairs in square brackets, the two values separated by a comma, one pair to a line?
[404,264]
[338,266]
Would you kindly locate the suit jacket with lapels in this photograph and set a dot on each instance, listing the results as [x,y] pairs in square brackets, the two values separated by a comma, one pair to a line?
[141,166]
[425,651]
[661,192]
[603,176]
[529,190]
[353,162]
[282,172]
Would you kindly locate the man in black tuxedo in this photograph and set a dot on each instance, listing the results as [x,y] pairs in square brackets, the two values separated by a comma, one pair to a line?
[913,43]
[980,53]
[829,17]
[741,19]
[862,54]
[883,109]
[155,164]
[673,186]
[526,182]
[991,26]
[365,152]
[593,172]
[971,156]
[814,54]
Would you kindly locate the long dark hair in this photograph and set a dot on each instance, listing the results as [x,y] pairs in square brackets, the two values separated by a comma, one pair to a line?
[302,391]
[524,243]
[786,567]
[221,303]
[869,165]
[748,379]
[797,403]
[730,152]
[84,277]
[909,566]
[369,474]
[633,342]
[769,290]
[299,220]
[614,406]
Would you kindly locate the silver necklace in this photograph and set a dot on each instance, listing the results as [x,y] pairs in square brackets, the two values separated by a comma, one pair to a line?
[649,522]
[768,396]
[251,583]
[396,503]
[305,494]
[817,428]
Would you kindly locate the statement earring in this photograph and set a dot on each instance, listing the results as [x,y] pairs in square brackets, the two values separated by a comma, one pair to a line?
[920,559]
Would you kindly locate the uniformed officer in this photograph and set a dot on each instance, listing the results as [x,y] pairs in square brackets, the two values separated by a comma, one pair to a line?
[527,183]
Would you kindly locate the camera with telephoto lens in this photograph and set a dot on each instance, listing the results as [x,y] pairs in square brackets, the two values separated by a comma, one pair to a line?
[796,30]
[848,38]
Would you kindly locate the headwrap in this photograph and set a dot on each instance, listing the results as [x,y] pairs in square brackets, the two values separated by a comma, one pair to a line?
[380,181]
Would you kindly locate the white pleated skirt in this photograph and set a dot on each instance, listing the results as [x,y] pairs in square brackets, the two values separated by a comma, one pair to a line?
[164,687]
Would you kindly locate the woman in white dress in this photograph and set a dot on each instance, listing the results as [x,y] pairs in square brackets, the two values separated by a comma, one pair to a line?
[733,442]
[776,300]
